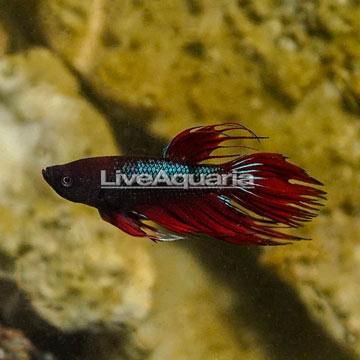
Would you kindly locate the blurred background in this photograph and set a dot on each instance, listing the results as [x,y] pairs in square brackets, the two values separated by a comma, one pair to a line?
[85,78]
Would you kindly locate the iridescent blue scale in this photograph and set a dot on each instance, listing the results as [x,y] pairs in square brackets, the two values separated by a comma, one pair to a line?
[153,167]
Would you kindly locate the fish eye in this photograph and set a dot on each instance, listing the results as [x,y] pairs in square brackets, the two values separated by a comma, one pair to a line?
[67,181]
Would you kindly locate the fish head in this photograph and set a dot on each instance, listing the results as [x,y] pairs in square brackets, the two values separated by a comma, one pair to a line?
[77,181]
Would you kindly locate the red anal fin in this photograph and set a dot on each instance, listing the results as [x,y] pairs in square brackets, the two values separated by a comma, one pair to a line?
[196,144]
[123,222]
[132,224]
[165,217]
[211,216]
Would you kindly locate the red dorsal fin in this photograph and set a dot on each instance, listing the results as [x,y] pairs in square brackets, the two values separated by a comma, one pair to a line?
[196,144]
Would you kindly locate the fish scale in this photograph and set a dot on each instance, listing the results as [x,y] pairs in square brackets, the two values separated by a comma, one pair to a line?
[153,167]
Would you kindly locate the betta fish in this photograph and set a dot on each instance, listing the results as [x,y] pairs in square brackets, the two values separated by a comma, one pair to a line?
[244,200]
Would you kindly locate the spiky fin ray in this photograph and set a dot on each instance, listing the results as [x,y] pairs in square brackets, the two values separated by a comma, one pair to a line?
[274,194]
[133,224]
[213,217]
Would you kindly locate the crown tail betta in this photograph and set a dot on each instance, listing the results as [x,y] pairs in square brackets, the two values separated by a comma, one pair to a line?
[181,194]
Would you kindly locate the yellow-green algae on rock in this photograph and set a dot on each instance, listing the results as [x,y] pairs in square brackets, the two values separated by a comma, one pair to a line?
[206,60]
[325,271]
[289,70]
[76,271]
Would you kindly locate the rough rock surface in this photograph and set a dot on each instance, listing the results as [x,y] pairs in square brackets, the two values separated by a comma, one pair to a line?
[15,346]
[78,273]
[288,69]
[324,271]
[203,60]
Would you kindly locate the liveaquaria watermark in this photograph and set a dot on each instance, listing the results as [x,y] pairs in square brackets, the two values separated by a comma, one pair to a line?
[184,181]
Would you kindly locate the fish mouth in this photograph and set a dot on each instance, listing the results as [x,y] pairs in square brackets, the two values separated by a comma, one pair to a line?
[46,174]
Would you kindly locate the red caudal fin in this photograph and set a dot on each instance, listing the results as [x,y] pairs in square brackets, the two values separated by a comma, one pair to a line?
[275,189]
[196,144]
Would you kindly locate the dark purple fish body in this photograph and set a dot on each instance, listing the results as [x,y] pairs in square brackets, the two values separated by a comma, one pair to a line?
[84,181]
[171,191]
